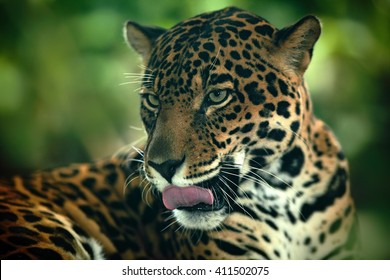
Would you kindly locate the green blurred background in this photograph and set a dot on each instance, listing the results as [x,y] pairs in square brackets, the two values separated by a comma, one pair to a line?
[62,64]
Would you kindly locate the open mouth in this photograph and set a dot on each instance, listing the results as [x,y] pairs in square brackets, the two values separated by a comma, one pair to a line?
[210,195]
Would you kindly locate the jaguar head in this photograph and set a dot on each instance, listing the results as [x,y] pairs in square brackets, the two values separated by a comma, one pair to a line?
[222,97]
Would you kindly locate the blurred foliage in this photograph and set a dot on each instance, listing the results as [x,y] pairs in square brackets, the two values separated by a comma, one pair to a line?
[62,64]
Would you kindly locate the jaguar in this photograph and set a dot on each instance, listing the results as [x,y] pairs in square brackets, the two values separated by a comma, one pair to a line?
[235,166]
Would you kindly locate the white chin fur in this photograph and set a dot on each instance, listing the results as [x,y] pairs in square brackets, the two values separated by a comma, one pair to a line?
[200,220]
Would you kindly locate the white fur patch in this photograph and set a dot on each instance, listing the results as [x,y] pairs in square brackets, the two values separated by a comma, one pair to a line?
[200,220]
[97,249]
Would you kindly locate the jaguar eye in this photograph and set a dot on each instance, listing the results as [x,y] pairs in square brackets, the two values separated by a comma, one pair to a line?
[217,97]
[151,101]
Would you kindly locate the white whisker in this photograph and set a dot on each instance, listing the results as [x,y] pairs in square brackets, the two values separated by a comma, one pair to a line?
[215,59]
[136,160]
[171,216]
[297,135]
[136,128]
[272,175]
[169,225]
[237,185]
[138,150]
[146,195]
[144,67]
[128,181]
[138,89]
[138,75]
[179,228]
[128,83]
[263,182]
[225,195]
[243,209]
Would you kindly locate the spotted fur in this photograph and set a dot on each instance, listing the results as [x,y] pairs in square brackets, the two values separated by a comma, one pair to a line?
[225,107]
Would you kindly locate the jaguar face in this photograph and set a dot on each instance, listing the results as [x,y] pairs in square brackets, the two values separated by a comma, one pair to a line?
[221,97]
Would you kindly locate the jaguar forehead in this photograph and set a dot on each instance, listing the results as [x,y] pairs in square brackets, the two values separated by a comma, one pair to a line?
[196,46]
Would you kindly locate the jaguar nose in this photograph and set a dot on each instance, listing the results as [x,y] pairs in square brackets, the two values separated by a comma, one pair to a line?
[167,169]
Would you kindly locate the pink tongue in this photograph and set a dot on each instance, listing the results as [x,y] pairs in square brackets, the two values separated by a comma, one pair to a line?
[174,197]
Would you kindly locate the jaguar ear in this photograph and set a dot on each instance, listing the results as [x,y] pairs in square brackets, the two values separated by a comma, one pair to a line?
[141,38]
[295,44]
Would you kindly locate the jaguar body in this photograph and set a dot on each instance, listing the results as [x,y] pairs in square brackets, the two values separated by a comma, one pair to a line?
[236,165]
